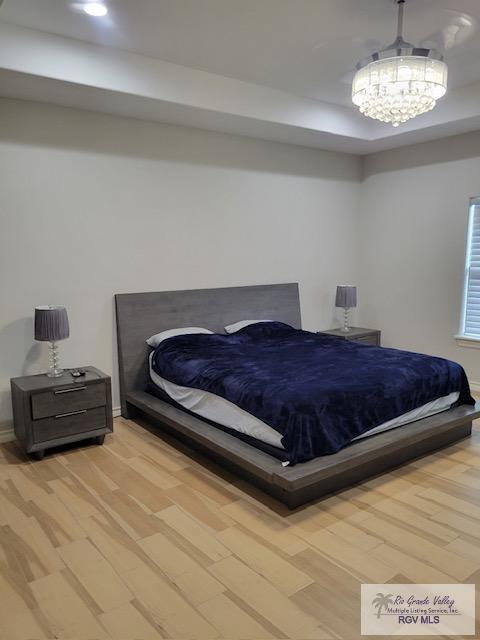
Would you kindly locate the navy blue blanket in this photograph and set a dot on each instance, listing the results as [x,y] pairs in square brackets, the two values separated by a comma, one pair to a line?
[319,392]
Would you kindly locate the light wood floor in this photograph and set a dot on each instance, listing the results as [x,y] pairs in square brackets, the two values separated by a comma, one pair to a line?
[140,540]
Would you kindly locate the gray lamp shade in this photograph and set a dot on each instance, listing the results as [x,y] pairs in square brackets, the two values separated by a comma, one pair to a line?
[51,323]
[346,297]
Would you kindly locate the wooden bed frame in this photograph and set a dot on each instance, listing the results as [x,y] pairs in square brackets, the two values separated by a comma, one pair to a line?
[140,315]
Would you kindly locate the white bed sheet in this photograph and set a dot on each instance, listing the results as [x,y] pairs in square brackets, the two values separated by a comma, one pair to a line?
[217,409]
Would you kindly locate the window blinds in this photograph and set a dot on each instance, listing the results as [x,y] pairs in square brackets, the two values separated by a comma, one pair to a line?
[472,283]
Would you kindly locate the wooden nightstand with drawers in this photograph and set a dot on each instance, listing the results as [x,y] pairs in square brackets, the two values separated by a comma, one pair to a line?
[48,412]
[356,334]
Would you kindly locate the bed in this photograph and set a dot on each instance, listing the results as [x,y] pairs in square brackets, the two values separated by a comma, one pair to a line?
[140,315]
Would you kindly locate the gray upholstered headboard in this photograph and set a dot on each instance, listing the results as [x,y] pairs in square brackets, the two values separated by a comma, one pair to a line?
[140,315]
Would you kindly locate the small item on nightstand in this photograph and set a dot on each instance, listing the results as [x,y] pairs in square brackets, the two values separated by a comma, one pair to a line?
[77,373]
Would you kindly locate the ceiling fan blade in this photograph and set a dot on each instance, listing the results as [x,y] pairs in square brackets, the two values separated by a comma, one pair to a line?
[347,78]
[369,45]
[460,29]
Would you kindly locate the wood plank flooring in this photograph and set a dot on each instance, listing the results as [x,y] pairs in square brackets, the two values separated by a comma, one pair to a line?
[144,539]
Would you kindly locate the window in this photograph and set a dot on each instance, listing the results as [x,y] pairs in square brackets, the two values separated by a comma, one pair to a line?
[470,323]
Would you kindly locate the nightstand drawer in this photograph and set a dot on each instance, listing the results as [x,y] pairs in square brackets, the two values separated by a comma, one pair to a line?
[69,423]
[372,340]
[356,334]
[53,403]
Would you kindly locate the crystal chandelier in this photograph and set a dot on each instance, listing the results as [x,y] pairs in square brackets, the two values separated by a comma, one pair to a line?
[399,82]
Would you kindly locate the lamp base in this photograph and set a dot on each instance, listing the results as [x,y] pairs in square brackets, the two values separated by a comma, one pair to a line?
[54,371]
[345,327]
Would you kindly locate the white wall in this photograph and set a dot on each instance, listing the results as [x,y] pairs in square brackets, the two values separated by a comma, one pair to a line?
[92,205]
[414,211]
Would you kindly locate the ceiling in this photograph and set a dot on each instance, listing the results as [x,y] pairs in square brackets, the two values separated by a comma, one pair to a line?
[306,48]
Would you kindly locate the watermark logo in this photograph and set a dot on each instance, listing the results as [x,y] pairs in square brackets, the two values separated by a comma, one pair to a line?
[418,609]
[382,602]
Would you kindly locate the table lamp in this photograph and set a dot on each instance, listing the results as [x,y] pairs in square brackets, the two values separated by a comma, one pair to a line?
[346,298]
[51,325]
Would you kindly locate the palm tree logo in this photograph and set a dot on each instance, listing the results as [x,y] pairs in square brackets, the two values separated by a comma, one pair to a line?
[382,602]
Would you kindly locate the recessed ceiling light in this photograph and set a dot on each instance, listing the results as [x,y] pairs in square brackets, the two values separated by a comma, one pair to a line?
[96,9]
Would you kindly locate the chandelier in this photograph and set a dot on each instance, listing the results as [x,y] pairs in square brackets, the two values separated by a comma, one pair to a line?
[399,82]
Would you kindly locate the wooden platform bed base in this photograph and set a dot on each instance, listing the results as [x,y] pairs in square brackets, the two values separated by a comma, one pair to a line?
[307,481]
[141,315]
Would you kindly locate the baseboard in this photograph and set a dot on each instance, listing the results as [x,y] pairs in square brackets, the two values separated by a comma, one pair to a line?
[7,434]
[475,386]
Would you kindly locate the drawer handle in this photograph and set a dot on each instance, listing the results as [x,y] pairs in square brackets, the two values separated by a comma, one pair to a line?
[70,413]
[69,390]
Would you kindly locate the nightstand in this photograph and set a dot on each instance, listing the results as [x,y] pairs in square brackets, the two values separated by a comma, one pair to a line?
[48,412]
[356,334]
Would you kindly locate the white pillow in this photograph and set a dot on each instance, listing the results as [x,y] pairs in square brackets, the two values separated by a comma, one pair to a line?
[155,340]
[233,328]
